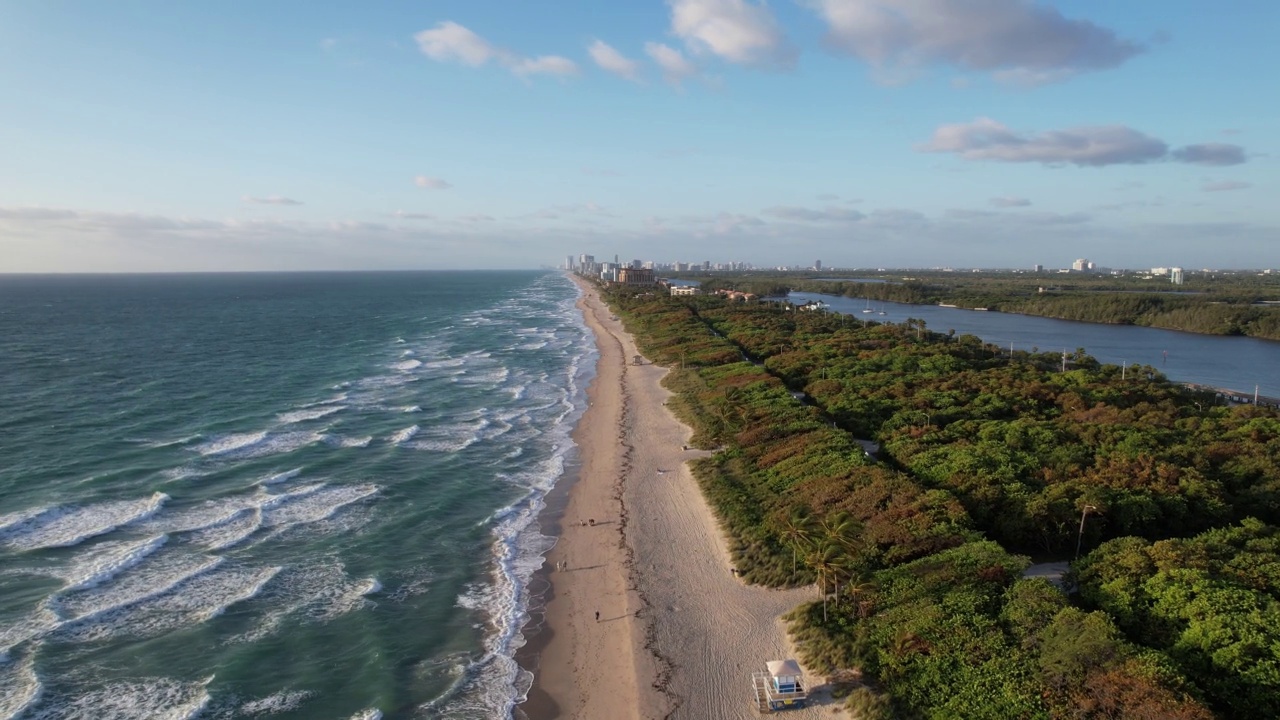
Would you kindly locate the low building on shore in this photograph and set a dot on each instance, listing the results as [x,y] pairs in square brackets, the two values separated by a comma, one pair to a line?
[736,295]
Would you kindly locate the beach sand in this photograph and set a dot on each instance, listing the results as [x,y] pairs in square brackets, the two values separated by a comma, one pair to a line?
[678,633]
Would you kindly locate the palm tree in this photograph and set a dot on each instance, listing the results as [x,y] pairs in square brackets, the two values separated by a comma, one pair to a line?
[797,531]
[844,532]
[840,527]
[857,586]
[826,558]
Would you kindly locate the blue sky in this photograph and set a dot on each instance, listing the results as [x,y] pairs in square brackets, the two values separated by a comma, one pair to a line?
[149,136]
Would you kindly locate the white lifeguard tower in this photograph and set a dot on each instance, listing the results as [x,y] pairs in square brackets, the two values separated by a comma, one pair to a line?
[783,687]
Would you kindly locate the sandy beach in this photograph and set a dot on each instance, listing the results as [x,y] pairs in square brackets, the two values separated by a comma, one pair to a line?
[644,617]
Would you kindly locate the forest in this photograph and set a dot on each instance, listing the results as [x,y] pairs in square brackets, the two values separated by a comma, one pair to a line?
[1235,304]
[1167,501]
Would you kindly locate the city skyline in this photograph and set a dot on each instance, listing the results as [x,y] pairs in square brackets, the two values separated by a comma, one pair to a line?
[870,133]
[590,264]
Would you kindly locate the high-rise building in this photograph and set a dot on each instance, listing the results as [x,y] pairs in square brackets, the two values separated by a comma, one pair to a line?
[1175,276]
[1080,265]
[568,263]
[817,265]
[1037,268]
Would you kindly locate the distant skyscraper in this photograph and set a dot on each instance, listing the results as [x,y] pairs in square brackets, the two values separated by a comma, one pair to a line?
[1037,268]
[568,263]
[1081,265]
[817,265]
[1175,276]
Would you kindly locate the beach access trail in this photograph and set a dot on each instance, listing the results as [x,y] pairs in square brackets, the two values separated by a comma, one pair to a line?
[678,633]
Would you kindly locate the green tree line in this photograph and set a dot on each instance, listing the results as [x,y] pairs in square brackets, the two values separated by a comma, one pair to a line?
[981,452]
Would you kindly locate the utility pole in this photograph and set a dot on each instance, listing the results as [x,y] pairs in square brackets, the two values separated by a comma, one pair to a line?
[1124,366]
[1080,536]
[1064,359]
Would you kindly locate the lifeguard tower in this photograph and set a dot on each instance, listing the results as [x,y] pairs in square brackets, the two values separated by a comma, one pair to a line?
[783,687]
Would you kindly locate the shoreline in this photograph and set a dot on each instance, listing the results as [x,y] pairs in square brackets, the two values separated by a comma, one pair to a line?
[588,656]
[678,633]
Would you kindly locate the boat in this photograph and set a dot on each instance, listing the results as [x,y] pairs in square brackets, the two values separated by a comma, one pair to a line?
[867,309]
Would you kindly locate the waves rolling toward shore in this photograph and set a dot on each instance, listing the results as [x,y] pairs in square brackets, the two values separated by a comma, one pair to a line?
[285,496]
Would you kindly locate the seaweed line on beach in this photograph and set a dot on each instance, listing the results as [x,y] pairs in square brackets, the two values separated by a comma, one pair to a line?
[662,682]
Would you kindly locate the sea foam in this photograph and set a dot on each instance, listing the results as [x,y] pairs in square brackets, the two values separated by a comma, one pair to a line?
[20,687]
[401,437]
[281,702]
[310,413]
[195,600]
[152,698]
[281,476]
[67,526]
[109,559]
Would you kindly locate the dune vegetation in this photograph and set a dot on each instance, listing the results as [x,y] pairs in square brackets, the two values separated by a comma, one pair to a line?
[985,461]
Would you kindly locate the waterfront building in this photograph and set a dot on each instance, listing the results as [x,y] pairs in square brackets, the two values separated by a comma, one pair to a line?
[1175,276]
[635,277]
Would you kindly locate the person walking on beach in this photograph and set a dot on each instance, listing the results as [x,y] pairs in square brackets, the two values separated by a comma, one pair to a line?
[597,616]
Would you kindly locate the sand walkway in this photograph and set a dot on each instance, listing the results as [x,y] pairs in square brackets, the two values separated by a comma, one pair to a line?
[678,634]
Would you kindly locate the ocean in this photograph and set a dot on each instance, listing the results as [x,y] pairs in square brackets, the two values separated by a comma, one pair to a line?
[282,496]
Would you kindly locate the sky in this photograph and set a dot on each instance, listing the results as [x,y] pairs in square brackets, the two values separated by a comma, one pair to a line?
[144,135]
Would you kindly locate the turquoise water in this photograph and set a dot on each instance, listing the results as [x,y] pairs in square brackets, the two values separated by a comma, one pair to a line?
[285,496]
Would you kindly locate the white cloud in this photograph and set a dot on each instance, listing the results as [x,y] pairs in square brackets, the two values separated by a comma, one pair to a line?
[733,223]
[1225,185]
[36,213]
[413,215]
[68,240]
[675,66]
[450,42]
[1022,41]
[431,183]
[270,200]
[735,30]
[986,139]
[609,59]
[1025,218]
[830,214]
[545,65]
[1211,154]
[557,211]
[1008,201]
